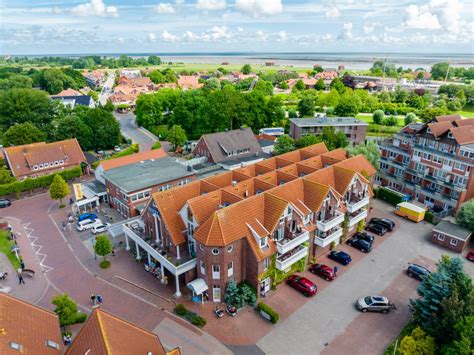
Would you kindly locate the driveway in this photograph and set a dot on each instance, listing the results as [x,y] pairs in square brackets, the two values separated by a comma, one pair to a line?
[132,131]
[320,324]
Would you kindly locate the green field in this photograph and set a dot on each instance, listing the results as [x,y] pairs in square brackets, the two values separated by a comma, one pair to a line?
[367,117]
[467,111]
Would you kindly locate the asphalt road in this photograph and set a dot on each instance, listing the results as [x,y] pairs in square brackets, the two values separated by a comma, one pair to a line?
[136,134]
[107,89]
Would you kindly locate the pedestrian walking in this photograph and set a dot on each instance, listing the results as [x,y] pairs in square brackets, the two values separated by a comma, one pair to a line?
[335,270]
[20,279]
[99,299]
[64,226]
[22,265]
[113,251]
[93,299]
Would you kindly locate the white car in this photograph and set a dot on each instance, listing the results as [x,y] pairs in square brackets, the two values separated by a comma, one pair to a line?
[100,228]
[5,289]
[117,148]
[88,224]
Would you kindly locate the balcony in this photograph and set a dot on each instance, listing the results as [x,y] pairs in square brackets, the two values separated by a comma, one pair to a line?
[357,205]
[291,241]
[331,222]
[327,238]
[356,218]
[284,262]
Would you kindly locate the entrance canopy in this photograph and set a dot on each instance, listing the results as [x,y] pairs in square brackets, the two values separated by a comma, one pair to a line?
[198,286]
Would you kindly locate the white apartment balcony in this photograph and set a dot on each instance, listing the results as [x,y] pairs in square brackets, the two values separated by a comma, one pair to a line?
[292,241]
[284,262]
[328,238]
[353,220]
[330,223]
[355,206]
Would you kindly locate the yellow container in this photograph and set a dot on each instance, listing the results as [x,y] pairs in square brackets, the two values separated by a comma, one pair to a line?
[410,211]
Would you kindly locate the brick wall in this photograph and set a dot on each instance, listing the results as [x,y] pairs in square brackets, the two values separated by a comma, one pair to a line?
[446,243]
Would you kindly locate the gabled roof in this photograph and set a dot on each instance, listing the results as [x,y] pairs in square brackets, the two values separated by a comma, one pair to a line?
[68,92]
[104,333]
[221,143]
[463,135]
[438,129]
[133,158]
[358,163]
[448,118]
[28,326]
[21,159]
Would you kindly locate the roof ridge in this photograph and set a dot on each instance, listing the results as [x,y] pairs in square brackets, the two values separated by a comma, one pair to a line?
[102,331]
[28,304]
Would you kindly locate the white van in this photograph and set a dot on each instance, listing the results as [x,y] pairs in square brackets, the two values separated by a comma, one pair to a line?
[87,224]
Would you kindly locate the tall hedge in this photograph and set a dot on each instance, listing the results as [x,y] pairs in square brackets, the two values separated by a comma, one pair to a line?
[388,196]
[36,183]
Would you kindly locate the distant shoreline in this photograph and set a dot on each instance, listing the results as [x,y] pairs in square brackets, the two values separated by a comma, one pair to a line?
[350,60]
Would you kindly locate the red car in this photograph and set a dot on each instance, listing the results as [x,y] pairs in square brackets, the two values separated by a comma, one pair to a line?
[470,255]
[302,284]
[323,271]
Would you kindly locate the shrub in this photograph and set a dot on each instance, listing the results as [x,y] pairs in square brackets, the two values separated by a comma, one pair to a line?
[156,145]
[104,264]
[382,129]
[80,317]
[378,117]
[274,317]
[391,121]
[192,317]
[409,118]
[388,196]
[180,309]
[429,216]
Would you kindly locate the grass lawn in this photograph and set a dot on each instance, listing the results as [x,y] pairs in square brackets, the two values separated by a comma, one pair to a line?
[5,245]
[467,111]
[367,117]
[407,329]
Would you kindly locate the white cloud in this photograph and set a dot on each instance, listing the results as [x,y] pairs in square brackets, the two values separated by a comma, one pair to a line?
[240,29]
[449,13]
[282,36]
[369,28]
[216,33]
[190,36]
[346,31]
[333,13]
[211,4]
[95,8]
[120,39]
[258,8]
[164,8]
[327,36]
[151,37]
[420,17]
[168,37]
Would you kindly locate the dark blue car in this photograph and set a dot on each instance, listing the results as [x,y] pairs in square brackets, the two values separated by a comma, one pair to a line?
[84,216]
[361,244]
[417,271]
[340,256]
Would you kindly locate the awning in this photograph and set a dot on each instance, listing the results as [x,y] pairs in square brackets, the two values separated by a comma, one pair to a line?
[198,286]
[86,201]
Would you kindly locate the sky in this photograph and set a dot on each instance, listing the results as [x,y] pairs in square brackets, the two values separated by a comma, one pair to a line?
[144,26]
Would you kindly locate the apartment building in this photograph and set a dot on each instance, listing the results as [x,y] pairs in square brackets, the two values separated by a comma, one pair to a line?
[431,162]
[354,129]
[243,223]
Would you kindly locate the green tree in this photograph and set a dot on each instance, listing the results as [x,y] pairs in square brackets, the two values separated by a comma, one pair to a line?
[306,141]
[332,98]
[102,123]
[213,84]
[72,126]
[338,85]
[410,118]
[16,81]
[156,76]
[320,85]
[5,176]
[66,309]
[59,189]
[177,136]
[463,343]
[232,295]
[333,139]
[465,215]
[246,69]
[284,144]
[23,133]
[102,246]
[154,60]
[266,87]
[391,121]
[428,114]
[378,117]
[283,85]
[292,113]
[306,107]
[370,150]
[300,85]
[418,342]
[440,70]
[349,106]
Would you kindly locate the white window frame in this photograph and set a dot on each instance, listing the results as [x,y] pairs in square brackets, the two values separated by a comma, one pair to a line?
[216,293]
[230,268]
[441,237]
[263,242]
[216,272]
[453,242]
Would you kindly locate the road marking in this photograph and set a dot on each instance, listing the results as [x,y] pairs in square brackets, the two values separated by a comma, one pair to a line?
[36,247]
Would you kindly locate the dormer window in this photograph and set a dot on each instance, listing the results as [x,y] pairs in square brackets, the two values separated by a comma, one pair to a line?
[428,130]
[263,242]
[41,166]
[35,167]
[450,135]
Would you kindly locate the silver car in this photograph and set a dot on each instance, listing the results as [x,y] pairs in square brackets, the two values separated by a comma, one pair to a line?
[374,304]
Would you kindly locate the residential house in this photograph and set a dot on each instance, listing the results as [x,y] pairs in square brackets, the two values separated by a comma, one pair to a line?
[327,75]
[231,149]
[27,329]
[451,236]
[94,78]
[129,88]
[354,129]
[75,100]
[104,333]
[36,159]
[266,142]
[244,224]
[432,163]
[189,82]
[130,73]
[130,186]
[69,92]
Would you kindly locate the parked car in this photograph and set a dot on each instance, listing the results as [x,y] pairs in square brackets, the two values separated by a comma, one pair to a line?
[302,284]
[88,224]
[101,228]
[384,222]
[117,148]
[376,228]
[5,289]
[360,244]
[84,216]
[323,271]
[340,256]
[417,271]
[4,202]
[470,255]
[364,236]
[374,304]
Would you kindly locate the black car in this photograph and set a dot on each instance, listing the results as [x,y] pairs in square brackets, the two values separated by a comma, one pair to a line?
[340,256]
[376,228]
[4,202]
[362,245]
[417,271]
[384,222]
[364,236]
